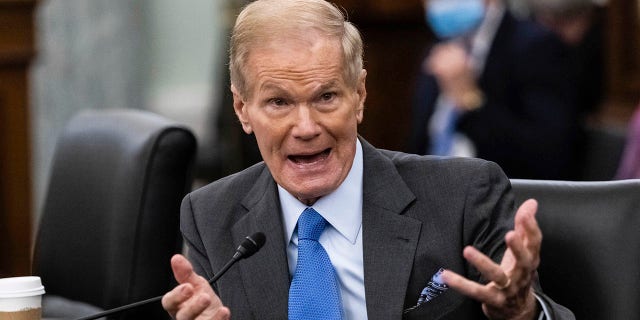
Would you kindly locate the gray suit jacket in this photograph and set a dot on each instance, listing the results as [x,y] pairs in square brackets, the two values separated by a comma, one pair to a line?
[418,214]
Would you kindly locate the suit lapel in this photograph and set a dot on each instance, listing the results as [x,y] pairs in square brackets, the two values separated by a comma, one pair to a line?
[389,238]
[389,242]
[266,276]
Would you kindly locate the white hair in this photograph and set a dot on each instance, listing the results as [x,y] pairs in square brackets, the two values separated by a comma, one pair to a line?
[265,20]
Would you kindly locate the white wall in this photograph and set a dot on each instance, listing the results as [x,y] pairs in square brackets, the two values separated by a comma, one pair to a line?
[183,60]
[154,54]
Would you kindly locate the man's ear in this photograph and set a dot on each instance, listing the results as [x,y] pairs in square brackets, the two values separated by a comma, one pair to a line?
[240,107]
[361,90]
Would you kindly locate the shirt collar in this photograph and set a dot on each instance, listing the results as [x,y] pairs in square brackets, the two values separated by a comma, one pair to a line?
[342,208]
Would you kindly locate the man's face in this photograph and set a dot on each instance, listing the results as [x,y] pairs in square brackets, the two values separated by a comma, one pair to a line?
[303,112]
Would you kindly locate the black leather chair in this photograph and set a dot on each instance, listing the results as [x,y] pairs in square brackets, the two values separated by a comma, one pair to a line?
[603,151]
[590,256]
[110,221]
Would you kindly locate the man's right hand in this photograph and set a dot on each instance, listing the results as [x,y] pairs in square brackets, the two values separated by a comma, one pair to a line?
[449,63]
[193,298]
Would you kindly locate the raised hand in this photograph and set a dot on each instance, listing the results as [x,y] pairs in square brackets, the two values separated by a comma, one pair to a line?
[193,298]
[508,294]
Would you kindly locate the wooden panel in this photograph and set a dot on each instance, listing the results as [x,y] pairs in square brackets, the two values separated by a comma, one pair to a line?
[624,44]
[16,31]
[392,59]
[623,60]
[381,11]
[16,50]
[395,39]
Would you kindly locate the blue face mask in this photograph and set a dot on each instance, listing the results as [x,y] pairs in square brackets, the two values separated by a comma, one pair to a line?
[452,18]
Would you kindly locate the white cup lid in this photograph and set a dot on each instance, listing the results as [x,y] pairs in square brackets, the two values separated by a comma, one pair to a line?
[20,287]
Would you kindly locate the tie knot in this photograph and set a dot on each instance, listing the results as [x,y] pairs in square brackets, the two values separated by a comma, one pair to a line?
[310,225]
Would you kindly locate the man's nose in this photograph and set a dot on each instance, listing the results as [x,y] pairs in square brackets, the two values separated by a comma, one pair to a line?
[306,123]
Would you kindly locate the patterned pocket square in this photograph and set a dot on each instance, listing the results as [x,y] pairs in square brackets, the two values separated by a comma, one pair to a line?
[434,288]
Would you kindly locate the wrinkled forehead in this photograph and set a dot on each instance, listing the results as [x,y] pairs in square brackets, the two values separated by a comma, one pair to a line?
[296,54]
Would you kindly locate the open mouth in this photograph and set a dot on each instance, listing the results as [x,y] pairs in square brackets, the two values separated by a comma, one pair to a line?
[310,158]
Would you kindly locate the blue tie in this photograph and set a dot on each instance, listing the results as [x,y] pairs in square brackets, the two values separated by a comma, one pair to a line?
[442,141]
[314,292]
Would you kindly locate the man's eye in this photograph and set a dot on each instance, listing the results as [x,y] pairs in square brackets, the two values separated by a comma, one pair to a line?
[277,101]
[327,96]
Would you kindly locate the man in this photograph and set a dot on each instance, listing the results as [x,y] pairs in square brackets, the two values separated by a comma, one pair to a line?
[392,219]
[579,24]
[496,88]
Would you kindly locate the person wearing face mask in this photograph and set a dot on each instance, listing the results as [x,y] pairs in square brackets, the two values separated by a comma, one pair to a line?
[496,88]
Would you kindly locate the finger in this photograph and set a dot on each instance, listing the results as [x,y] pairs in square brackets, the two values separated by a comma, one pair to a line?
[516,244]
[182,268]
[526,221]
[527,254]
[525,262]
[222,313]
[183,272]
[205,308]
[524,216]
[526,228]
[472,289]
[487,267]
[524,259]
[193,307]
[172,300]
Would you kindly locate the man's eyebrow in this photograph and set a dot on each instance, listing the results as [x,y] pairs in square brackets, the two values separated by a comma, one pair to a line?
[278,89]
[272,87]
[328,85]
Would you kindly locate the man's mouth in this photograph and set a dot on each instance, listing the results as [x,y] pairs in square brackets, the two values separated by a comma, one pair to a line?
[310,158]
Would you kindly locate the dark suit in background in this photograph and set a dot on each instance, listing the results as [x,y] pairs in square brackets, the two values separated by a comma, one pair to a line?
[418,214]
[529,123]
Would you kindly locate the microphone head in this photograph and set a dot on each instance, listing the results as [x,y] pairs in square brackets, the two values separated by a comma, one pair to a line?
[250,245]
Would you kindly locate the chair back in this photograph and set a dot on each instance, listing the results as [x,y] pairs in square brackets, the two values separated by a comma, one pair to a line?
[603,152]
[110,221]
[590,256]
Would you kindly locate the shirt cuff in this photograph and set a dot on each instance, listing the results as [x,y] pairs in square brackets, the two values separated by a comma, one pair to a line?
[544,314]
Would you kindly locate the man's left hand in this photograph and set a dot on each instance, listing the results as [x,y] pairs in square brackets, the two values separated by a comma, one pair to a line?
[508,294]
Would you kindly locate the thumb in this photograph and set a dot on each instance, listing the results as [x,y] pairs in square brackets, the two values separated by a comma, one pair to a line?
[182,269]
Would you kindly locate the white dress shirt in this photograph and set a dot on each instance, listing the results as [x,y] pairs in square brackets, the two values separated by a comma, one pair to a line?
[342,237]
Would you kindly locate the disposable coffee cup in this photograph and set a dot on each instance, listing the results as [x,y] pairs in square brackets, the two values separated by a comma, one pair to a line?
[21,298]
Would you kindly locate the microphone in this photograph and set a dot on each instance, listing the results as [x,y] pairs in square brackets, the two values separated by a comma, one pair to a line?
[246,249]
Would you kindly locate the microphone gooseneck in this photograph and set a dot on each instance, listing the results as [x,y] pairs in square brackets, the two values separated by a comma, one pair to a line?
[249,246]
[246,249]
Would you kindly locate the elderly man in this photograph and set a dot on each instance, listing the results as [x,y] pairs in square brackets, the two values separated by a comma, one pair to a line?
[353,232]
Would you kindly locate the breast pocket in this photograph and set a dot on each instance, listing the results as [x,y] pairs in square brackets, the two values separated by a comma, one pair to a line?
[438,308]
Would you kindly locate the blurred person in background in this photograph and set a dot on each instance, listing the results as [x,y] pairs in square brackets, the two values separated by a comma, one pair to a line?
[579,25]
[496,88]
